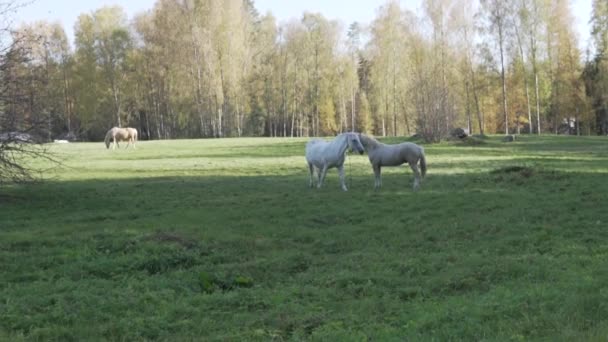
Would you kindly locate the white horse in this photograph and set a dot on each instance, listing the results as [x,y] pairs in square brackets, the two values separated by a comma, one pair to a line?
[116,134]
[394,155]
[323,155]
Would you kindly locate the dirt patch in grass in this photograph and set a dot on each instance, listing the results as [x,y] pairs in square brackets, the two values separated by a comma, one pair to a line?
[171,238]
[7,199]
[466,141]
[472,141]
[518,170]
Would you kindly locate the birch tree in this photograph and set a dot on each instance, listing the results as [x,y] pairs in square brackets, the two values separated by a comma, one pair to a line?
[497,16]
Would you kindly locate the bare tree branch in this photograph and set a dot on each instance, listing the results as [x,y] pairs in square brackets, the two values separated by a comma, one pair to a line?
[19,145]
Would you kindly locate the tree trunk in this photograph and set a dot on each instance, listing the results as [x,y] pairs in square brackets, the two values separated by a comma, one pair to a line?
[343,120]
[220,105]
[533,30]
[220,115]
[315,127]
[523,63]
[199,91]
[66,99]
[405,118]
[468,107]
[352,109]
[295,102]
[284,107]
[474,85]
[538,130]
[117,102]
[504,81]
[148,135]
[394,101]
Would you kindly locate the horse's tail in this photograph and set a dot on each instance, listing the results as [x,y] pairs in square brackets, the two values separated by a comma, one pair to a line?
[422,162]
[133,133]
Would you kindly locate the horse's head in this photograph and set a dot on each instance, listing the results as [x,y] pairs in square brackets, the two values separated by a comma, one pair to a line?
[354,143]
[107,139]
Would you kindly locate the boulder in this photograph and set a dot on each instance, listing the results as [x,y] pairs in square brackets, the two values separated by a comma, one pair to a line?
[459,133]
[508,138]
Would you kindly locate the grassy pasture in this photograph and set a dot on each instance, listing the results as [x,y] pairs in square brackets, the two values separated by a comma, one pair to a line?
[223,240]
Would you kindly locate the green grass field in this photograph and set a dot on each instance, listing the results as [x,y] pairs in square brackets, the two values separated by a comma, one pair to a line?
[223,240]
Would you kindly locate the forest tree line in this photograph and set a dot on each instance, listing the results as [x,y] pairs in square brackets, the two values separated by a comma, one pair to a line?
[219,68]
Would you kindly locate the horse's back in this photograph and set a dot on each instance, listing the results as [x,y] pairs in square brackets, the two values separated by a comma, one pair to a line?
[394,155]
[313,149]
[411,151]
[410,145]
[314,144]
[315,141]
[120,133]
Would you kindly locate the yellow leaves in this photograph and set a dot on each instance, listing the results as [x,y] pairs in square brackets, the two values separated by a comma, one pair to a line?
[327,115]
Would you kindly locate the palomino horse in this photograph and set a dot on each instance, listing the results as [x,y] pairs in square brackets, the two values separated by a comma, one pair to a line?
[394,155]
[323,155]
[116,134]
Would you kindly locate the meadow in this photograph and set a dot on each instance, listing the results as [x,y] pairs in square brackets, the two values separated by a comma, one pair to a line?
[223,240]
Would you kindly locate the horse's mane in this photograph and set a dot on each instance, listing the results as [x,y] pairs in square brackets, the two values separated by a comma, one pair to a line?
[369,140]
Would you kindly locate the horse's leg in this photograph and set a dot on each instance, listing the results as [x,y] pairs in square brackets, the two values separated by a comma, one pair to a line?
[341,173]
[318,175]
[311,170]
[377,177]
[322,176]
[114,143]
[414,167]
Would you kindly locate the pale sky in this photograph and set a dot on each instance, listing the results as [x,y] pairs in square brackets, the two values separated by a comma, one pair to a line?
[66,11]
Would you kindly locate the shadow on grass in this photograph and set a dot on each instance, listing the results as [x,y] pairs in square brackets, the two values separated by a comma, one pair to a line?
[99,202]
[171,257]
[563,144]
